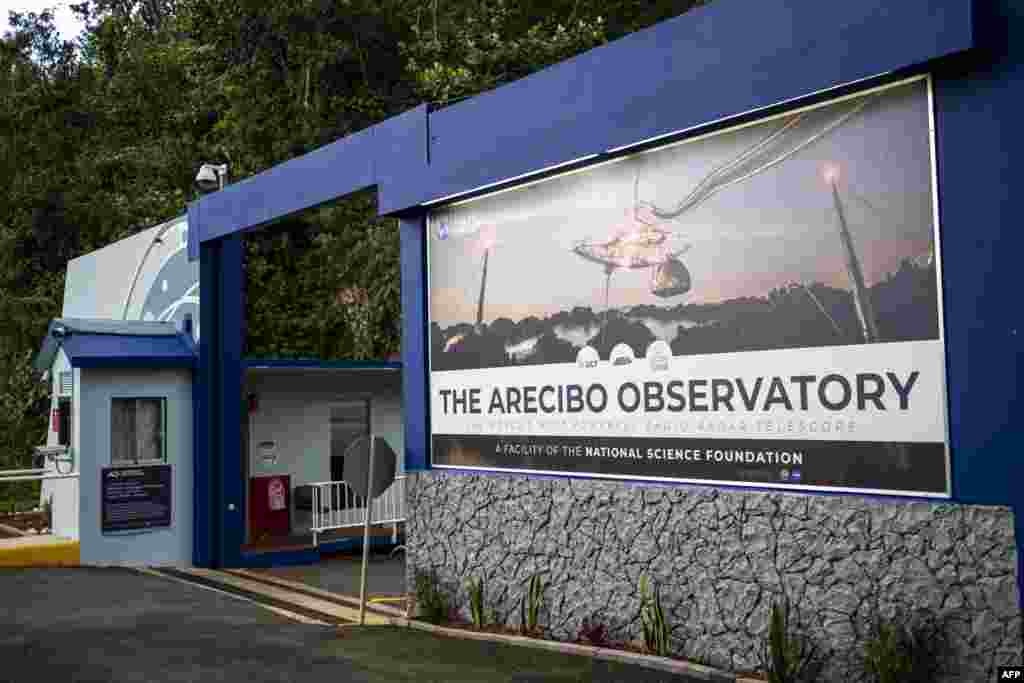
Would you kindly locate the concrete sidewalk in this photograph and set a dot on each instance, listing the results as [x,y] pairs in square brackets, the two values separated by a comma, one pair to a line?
[340,573]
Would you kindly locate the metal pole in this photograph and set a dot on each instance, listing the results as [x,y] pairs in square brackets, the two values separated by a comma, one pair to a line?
[860,294]
[483,285]
[316,513]
[366,538]
[607,290]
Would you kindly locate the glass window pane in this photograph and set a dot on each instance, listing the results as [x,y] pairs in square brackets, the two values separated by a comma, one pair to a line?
[122,431]
[136,430]
[149,428]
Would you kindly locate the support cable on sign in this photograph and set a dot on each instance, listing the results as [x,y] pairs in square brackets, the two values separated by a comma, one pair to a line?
[707,187]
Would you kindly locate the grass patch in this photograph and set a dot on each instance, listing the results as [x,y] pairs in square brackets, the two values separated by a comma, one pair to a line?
[405,654]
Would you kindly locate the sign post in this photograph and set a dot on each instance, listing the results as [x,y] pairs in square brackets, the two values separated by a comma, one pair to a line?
[366,537]
[368,479]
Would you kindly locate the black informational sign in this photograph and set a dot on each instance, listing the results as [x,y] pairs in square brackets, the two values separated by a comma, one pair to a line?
[135,497]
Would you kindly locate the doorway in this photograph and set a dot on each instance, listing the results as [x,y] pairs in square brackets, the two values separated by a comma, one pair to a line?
[350,420]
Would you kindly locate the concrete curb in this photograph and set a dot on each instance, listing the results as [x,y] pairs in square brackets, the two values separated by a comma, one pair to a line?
[277,610]
[321,606]
[350,600]
[673,666]
[39,551]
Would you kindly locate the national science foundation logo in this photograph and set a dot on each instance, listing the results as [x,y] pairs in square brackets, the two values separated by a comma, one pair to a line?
[622,354]
[658,355]
[587,357]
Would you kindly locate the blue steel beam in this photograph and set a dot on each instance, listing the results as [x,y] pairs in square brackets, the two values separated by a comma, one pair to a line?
[713,63]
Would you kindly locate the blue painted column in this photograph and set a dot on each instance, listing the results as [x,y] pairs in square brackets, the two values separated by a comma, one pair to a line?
[204,398]
[415,342]
[219,512]
[978,147]
[231,295]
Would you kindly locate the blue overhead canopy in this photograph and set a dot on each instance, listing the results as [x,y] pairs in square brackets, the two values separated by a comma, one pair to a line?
[116,344]
[716,62]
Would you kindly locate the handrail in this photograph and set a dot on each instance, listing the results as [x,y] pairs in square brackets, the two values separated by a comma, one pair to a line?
[38,470]
[336,506]
[40,477]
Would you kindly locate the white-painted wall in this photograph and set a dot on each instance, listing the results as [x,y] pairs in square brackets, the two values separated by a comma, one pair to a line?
[167,545]
[63,493]
[294,412]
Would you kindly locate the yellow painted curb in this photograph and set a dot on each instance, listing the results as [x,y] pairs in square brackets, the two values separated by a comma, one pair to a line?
[34,551]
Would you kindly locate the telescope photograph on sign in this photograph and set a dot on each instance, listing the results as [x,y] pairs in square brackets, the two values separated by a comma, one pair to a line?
[759,305]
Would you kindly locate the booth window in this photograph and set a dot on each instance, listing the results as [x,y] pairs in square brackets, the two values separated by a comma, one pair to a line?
[138,430]
[64,421]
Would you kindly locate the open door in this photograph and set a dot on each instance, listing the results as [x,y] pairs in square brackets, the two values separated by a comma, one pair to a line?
[350,419]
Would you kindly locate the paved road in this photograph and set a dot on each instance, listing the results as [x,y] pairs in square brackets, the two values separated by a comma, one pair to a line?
[79,625]
[90,625]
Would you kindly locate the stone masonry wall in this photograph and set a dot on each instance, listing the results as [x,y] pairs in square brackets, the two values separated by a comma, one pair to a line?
[720,556]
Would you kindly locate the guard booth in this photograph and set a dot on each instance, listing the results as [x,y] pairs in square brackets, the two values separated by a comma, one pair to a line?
[121,437]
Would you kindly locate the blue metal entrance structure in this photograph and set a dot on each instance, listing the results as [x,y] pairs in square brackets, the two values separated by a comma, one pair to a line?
[731,61]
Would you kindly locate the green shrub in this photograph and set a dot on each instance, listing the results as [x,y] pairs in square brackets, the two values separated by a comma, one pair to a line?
[530,605]
[656,630]
[476,601]
[789,657]
[431,599]
[896,651]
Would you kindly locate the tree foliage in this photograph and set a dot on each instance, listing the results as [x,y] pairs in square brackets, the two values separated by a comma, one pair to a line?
[100,138]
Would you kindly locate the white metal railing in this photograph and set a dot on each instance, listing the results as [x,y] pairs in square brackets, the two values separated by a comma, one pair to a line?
[18,475]
[337,506]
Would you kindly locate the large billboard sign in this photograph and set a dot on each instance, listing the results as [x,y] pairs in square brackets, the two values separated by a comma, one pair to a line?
[758,306]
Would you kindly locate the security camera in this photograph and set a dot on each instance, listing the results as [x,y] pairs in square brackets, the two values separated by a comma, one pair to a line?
[211,177]
[207,179]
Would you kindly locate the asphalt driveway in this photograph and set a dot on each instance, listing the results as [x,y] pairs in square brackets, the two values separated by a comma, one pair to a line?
[78,625]
[120,625]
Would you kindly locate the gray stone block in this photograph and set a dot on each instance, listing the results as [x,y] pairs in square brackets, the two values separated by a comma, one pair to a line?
[720,558]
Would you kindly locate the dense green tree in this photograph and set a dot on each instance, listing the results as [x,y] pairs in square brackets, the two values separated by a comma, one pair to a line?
[100,139]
